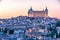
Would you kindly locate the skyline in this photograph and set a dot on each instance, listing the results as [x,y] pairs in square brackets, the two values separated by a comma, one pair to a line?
[13,8]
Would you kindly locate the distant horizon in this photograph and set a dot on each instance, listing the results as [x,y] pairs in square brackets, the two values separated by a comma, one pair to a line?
[26,16]
[14,8]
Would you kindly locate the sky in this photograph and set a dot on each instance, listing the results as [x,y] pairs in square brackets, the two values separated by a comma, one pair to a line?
[14,8]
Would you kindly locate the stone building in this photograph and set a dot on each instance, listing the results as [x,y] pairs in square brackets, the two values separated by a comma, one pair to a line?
[34,13]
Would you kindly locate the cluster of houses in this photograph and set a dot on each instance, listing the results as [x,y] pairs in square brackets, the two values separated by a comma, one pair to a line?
[28,28]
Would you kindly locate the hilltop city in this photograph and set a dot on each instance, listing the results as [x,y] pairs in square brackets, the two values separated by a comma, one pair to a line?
[36,26]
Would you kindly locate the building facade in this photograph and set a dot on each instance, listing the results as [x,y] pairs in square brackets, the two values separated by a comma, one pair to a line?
[42,13]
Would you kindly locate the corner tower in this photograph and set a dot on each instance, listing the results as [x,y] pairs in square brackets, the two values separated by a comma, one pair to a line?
[46,12]
[30,12]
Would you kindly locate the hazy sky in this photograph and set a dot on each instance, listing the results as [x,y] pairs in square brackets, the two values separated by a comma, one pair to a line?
[13,8]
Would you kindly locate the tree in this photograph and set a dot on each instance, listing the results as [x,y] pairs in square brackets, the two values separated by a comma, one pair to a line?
[31,39]
[56,35]
[58,23]
[59,35]
[0,29]
[49,28]
[53,31]
[11,31]
[52,34]
[5,31]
